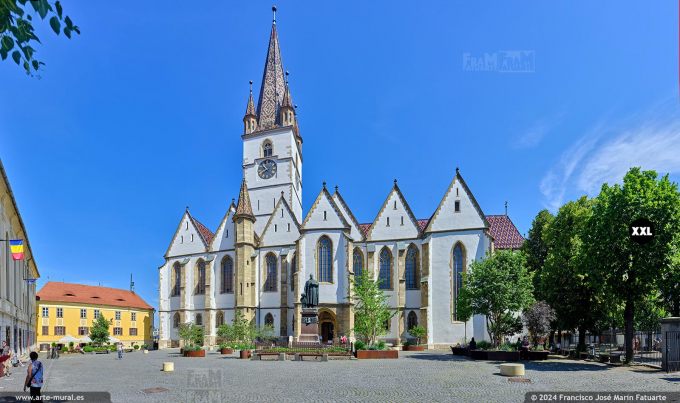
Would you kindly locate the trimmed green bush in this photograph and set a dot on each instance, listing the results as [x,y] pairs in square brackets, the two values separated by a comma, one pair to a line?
[136,347]
[483,345]
[359,345]
[88,349]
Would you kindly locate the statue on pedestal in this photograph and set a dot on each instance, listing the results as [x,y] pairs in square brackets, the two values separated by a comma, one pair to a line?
[310,298]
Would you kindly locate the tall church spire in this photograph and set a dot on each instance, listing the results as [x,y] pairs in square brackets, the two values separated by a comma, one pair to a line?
[273,84]
[244,208]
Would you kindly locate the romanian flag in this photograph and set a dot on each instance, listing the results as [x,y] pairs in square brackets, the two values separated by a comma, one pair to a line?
[17,248]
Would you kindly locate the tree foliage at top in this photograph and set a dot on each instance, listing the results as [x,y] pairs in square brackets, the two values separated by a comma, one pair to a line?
[498,287]
[537,319]
[17,36]
[536,249]
[633,272]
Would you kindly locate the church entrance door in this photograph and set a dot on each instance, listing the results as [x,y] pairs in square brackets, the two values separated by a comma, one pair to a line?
[326,332]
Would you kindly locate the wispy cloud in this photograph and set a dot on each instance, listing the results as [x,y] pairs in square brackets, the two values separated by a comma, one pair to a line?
[650,140]
[535,133]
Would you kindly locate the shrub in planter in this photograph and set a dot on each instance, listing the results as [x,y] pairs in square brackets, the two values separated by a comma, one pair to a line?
[136,347]
[500,355]
[70,345]
[478,354]
[483,345]
[64,349]
[359,345]
[537,355]
[225,348]
[194,351]
[88,349]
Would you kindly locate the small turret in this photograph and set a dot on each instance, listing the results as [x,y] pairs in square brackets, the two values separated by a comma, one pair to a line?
[250,119]
[287,110]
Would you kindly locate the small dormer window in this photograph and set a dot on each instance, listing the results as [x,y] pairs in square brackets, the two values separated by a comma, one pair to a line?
[457,206]
[267,149]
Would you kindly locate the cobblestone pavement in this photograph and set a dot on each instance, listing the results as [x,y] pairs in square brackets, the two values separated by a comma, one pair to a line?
[415,377]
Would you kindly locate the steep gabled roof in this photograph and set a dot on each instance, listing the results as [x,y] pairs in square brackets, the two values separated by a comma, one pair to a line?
[504,233]
[282,201]
[206,235]
[349,212]
[322,193]
[460,179]
[396,189]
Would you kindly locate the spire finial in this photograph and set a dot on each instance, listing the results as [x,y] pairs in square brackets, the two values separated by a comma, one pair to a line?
[324,185]
[274,14]
[457,170]
[336,188]
[287,74]
[187,209]
[506,208]
[395,182]
[251,86]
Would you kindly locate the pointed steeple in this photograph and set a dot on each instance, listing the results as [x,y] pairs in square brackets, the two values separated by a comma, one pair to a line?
[273,85]
[287,111]
[250,120]
[244,208]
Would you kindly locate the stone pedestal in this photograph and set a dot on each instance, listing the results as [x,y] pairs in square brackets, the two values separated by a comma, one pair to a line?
[309,327]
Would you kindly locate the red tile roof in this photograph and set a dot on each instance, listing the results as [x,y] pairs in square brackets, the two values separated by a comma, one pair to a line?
[504,232]
[422,224]
[55,291]
[205,233]
[364,228]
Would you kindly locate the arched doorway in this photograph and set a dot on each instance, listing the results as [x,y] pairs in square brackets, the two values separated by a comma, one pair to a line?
[327,326]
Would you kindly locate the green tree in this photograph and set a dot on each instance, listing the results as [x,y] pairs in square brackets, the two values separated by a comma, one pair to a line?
[191,334]
[670,282]
[371,309]
[631,272]
[536,249]
[17,36]
[498,287]
[99,332]
[418,332]
[565,281]
[537,320]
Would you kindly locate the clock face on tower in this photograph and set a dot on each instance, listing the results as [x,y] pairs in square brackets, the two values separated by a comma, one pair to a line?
[267,169]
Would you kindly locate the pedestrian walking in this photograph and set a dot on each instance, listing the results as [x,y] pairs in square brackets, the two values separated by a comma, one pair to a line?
[6,358]
[120,351]
[34,376]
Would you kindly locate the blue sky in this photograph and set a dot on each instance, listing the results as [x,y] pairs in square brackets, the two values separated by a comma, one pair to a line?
[140,115]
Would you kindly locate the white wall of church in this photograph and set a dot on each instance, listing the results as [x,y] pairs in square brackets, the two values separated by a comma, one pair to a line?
[335,292]
[476,244]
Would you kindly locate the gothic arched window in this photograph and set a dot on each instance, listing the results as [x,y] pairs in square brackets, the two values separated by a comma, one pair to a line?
[175,320]
[385,275]
[412,268]
[458,270]
[176,279]
[325,260]
[411,320]
[219,319]
[269,320]
[358,262]
[267,149]
[227,275]
[199,319]
[200,279]
[293,270]
[270,281]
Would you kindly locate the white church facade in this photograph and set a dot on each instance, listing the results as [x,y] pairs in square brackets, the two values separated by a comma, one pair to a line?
[266,246]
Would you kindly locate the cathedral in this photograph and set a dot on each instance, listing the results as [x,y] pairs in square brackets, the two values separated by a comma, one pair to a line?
[265,248]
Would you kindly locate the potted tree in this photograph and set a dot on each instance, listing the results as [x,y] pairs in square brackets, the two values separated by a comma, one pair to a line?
[243,334]
[192,336]
[99,334]
[371,312]
[225,334]
[537,320]
[418,332]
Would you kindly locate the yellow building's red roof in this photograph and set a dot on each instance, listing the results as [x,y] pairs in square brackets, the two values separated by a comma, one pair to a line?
[56,291]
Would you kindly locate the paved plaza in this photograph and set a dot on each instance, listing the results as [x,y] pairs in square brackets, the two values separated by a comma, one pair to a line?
[415,377]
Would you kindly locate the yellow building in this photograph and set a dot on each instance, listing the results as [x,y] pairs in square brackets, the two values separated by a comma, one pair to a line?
[65,309]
